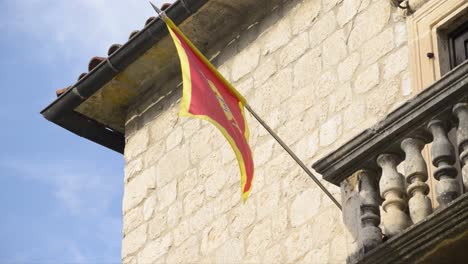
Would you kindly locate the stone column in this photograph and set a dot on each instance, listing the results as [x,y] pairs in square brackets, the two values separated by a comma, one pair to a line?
[443,158]
[392,190]
[461,111]
[416,175]
[370,235]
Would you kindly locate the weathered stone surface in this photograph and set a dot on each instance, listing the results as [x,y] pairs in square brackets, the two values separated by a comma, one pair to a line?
[188,252]
[174,138]
[298,243]
[149,206]
[157,225]
[307,69]
[330,130]
[369,23]
[167,194]
[274,255]
[381,99]
[327,84]
[171,165]
[320,255]
[231,252]
[241,217]
[259,238]
[132,168]
[155,249]
[264,71]
[137,144]
[133,241]
[277,36]
[341,98]
[267,200]
[201,219]
[136,190]
[334,49]
[304,15]
[194,199]
[347,68]
[132,219]
[245,62]
[294,49]
[395,63]
[304,207]
[347,11]
[214,235]
[354,114]
[322,29]
[377,47]
[367,80]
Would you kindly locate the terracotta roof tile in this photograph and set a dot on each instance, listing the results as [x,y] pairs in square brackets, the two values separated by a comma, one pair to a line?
[95,61]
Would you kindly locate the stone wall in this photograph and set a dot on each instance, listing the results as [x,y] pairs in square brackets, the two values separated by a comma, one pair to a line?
[319,72]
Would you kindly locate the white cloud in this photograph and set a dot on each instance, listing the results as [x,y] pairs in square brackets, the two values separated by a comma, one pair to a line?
[77,28]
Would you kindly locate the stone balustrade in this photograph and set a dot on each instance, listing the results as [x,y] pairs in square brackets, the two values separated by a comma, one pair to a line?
[392,168]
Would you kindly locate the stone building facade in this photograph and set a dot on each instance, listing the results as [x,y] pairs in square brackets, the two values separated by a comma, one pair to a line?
[319,72]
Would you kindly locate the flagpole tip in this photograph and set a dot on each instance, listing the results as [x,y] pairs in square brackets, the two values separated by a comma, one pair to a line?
[155,8]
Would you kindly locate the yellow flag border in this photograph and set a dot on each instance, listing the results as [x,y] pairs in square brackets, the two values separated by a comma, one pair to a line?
[186,98]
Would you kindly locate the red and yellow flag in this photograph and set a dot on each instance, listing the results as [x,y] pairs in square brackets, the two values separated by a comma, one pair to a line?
[208,96]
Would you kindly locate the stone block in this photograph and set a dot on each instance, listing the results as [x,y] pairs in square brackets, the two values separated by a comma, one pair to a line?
[294,49]
[381,99]
[305,206]
[230,252]
[368,23]
[263,153]
[320,255]
[214,235]
[327,84]
[154,153]
[347,11]
[194,199]
[298,243]
[174,213]
[322,29]
[395,63]
[377,47]
[149,207]
[167,194]
[133,241]
[242,216]
[201,219]
[274,255]
[277,36]
[268,200]
[132,219]
[157,225]
[187,252]
[245,62]
[155,249]
[341,98]
[334,49]
[330,130]
[304,15]
[367,79]
[354,114]
[174,138]
[307,69]
[136,190]
[136,144]
[171,165]
[259,238]
[347,68]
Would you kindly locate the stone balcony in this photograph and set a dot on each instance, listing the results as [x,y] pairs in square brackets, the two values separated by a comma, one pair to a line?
[385,179]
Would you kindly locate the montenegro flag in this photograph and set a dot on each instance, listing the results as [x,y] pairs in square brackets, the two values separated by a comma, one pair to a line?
[208,96]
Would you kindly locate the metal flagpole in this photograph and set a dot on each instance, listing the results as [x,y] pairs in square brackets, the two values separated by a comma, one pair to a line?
[293,155]
[162,14]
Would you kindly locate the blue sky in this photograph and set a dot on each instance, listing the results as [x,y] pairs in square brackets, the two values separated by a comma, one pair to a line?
[61,194]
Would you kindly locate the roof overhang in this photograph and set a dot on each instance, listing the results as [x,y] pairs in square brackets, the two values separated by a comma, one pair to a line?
[96,106]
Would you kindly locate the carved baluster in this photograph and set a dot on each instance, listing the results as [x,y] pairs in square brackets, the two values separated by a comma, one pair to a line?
[443,158]
[416,175]
[392,190]
[461,111]
[371,235]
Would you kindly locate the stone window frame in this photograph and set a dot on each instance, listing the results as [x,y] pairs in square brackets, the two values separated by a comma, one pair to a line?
[428,28]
